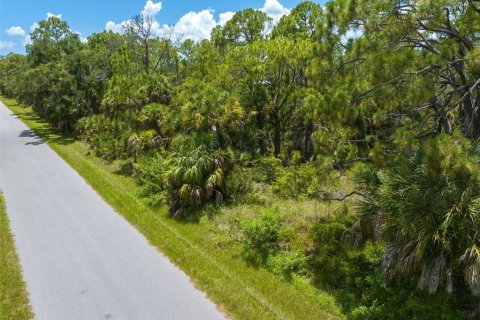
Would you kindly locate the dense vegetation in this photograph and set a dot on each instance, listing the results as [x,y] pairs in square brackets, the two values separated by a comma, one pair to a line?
[371,105]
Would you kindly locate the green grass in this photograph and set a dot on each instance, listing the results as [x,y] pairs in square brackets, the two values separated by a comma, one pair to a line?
[240,290]
[13,295]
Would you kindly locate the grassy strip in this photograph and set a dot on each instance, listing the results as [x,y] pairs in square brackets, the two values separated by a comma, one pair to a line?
[243,291]
[13,294]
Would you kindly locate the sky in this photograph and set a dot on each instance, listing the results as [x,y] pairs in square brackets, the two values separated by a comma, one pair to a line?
[191,19]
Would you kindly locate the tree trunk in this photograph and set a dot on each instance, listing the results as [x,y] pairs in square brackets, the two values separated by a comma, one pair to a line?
[147,57]
[277,139]
[261,129]
[471,123]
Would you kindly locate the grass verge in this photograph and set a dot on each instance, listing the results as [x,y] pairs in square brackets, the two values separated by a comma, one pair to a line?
[242,291]
[13,294]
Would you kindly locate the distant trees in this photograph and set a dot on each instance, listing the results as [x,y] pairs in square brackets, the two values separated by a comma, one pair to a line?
[11,69]
[245,27]
[52,40]
[139,32]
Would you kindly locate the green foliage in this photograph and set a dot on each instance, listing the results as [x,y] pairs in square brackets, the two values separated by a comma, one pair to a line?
[51,41]
[356,277]
[297,181]
[425,208]
[398,301]
[267,169]
[266,241]
[195,178]
[301,23]
[286,263]
[239,185]
[142,142]
[243,28]
[213,110]
[11,68]
[261,235]
[51,90]
[162,118]
[106,137]
[151,178]
[331,261]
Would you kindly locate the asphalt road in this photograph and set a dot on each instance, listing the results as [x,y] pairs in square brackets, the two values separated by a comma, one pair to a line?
[80,259]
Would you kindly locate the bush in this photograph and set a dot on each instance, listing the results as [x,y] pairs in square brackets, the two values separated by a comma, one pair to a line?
[195,178]
[425,207]
[267,170]
[260,236]
[400,302]
[106,137]
[266,242]
[161,118]
[331,261]
[239,185]
[356,277]
[142,142]
[151,178]
[299,181]
[287,262]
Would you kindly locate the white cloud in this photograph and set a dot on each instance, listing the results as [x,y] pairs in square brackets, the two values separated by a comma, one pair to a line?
[152,8]
[196,25]
[7,45]
[34,26]
[224,17]
[27,40]
[115,27]
[274,9]
[82,39]
[16,31]
[49,15]
[352,34]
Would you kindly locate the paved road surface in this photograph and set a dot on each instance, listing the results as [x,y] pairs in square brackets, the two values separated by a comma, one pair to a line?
[80,259]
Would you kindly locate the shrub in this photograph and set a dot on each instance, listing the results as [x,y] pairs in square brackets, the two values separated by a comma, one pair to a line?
[161,118]
[142,142]
[357,280]
[400,302]
[195,178]
[298,181]
[239,185]
[267,169]
[426,209]
[260,236]
[151,178]
[331,261]
[106,137]
[287,262]
[266,242]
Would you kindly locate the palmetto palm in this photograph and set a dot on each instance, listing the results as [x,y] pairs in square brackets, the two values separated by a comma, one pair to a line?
[213,110]
[427,211]
[195,178]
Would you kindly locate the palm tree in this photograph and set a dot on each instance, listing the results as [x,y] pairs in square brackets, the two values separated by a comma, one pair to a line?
[426,209]
[195,178]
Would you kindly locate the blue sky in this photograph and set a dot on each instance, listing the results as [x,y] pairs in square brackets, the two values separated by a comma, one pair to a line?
[192,19]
